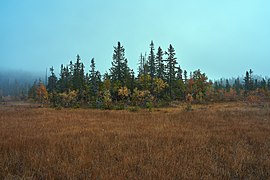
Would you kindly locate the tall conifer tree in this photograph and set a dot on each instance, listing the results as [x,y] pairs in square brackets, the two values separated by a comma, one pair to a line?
[171,69]
[52,81]
[160,69]
[119,71]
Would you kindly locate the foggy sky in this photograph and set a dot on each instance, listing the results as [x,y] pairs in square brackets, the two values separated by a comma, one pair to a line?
[222,38]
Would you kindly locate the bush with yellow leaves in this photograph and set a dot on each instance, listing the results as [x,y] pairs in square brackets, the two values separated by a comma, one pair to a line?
[107,100]
[123,92]
[68,99]
[42,94]
[142,97]
[159,86]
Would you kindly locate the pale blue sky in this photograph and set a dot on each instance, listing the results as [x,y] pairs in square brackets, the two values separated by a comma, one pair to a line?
[223,38]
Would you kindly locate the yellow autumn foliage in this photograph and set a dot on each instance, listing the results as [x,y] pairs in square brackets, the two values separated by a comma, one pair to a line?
[123,92]
[42,94]
[160,85]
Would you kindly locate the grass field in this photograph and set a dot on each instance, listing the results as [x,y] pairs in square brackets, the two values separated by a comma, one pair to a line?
[220,141]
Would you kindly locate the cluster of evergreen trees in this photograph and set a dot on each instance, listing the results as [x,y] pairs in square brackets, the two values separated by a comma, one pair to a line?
[160,80]
[246,84]
[241,88]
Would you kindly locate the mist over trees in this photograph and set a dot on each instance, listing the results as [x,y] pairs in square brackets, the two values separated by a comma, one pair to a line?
[159,81]
[16,83]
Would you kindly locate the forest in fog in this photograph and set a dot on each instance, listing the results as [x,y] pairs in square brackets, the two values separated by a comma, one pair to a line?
[16,83]
[157,81]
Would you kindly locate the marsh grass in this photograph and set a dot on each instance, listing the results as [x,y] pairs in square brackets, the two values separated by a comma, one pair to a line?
[222,141]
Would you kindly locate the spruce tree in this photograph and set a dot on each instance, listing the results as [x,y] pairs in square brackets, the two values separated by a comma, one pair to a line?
[78,75]
[151,62]
[69,75]
[141,65]
[126,74]
[151,66]
[160,69]
[119,70]
[63,85]
[94,78]
[145,68]
[247,82]
[179,73]
[251,81]
[142,69]
[237,86]
[52,81]
[132,81]
[185,76]
[171,69]
[228,86]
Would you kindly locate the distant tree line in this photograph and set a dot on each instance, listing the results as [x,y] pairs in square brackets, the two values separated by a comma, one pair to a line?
[249,87]
[14,85]
[160,80]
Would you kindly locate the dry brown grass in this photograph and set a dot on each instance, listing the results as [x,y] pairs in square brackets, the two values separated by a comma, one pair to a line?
[222,141]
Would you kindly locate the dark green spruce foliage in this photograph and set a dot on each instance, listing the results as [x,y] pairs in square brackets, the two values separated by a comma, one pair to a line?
[249,81]
[119,71]
[120,74]
[160,68]
[78,75]
[159,80]
[141,65]
[152,65]
[94,80]
[171,70]
[52,81]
